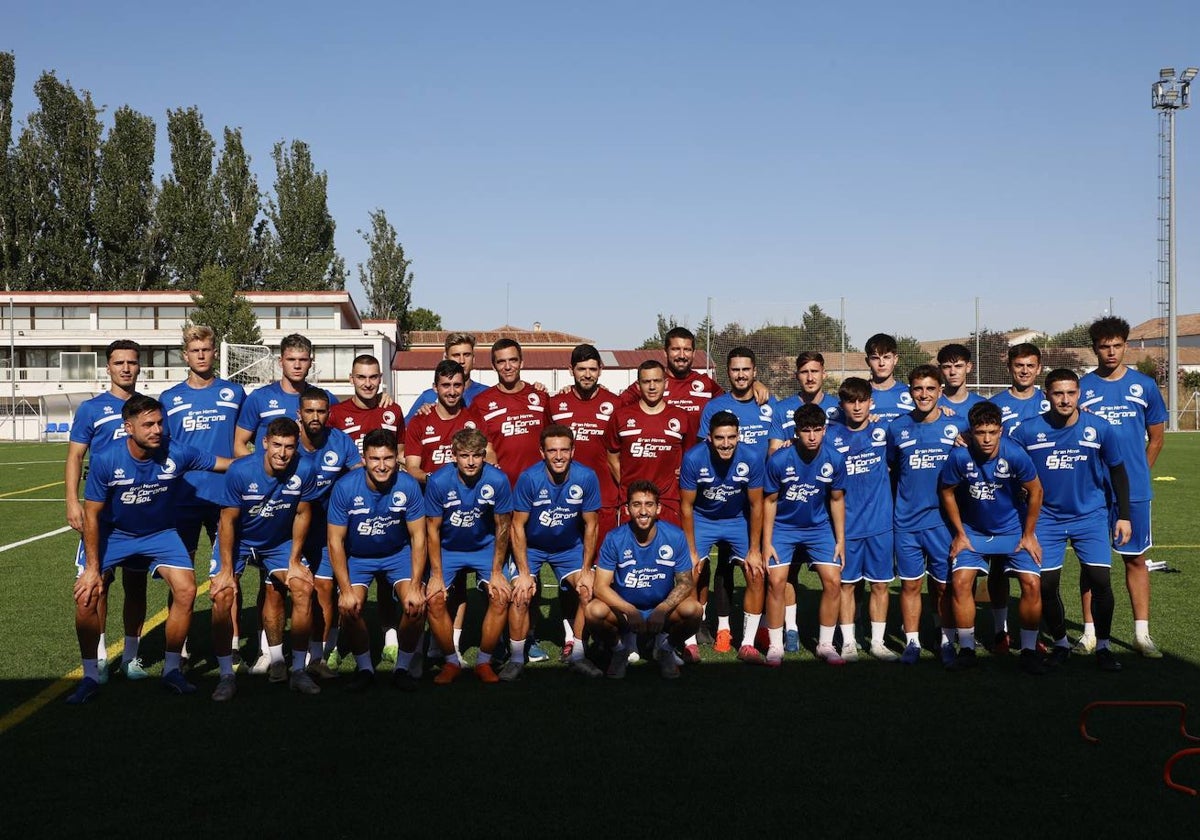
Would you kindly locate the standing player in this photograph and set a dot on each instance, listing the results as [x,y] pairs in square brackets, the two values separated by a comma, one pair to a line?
[644,585]
[460,347]
[804,519]
[1022,400]
[329,453]
[721,486]
[889,398]
[683,387]
[810,373]
[1078,459]
[468,514]
[918,445]
[646,440]
[377,526]
[511,413]
[97,427]
[202,411]
[869,544]
[954,360]
[129,498]
[992,496]
[755,421]
[1132,403]
[264,520]
[357,416]
[555,505]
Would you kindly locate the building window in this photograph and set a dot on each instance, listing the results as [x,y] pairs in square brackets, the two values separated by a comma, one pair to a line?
[21,315]
[267,317]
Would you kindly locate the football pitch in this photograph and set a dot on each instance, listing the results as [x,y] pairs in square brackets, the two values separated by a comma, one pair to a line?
[869,749]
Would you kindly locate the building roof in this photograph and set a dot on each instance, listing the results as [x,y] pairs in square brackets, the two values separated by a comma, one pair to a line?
[1157,327]
[436,339]
[536,358]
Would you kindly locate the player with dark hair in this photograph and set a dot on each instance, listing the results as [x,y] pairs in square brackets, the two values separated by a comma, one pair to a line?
[1078,460]
[804,519]
[918,445]
[683,387]
[721,486]
[278,399]
[1132,403]
[954,360]
[128,518]
[644,585]
[459,347]
[97,427]
[992,497]
[810,374]
[376,525]
[889,398]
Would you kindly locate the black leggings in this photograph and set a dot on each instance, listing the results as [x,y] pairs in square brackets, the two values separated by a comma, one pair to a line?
[1093,578]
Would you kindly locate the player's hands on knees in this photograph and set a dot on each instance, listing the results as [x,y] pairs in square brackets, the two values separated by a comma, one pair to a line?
[839,553]
[1031,545]
[753,566]
[524,588]
[414,602]
[656,620]
[435,590]
[499,589]
[296,569]
[1123,531]
[959,544]
[348,604]
[635,622]
[87,588]
[584,586]
[220,582]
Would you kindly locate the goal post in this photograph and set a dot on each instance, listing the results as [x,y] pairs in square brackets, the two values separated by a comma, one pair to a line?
[247,364]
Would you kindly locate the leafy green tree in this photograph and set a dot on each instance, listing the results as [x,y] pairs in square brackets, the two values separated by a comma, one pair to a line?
[218,305]
[386,278]
[665,325]
[424,319]
[822,332]
[8,244]
[302,256]
[124,211]
[54,173]
[237,205]
[990,362]
[909,355]
[187,207]
[1076,336]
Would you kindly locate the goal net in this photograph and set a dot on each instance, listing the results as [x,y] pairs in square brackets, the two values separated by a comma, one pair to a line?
[247,364]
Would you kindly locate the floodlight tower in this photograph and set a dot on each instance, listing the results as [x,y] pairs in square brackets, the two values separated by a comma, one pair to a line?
[1168,95]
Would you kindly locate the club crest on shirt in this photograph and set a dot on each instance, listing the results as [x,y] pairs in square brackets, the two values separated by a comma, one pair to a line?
[1089,434]
[827,469]
[225,393]
[665,552]
[697,386]
[574,492]
[606,408]
[1002,470]
[1135,390]
[950,431]
[906,399]
[673,425]
[399,500]
[294,482]
[742,469]
[389,418]
[487,491]
[330,458]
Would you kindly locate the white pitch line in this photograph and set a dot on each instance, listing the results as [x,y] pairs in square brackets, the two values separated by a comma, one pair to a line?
[29,500]
[25,463]
[20,543]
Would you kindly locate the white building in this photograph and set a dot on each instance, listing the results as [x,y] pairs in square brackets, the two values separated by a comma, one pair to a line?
[55,345]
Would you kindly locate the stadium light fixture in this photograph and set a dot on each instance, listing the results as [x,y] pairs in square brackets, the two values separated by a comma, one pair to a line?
[1168,95]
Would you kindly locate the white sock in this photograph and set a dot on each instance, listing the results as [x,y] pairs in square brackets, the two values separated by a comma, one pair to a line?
[184,650]
[102,647]
[966,638]
[722,623]
[949,636]
[825,634]
[789,617]
[131,648]
[331,642]
[263,644]
[390,638]
[404,658]
[1028,639]
[91,669]
[775,638]
[362,661]
[848,634]
[171,662]
[913,638]
[576,649]
[274,653]
[568,630]
[225,663]
[749,628]
[1141,629]
[691,640]
[299,659]
[237,643]
[456,637]
[878,628]
[516,651]
[1089,628]
[1000,620]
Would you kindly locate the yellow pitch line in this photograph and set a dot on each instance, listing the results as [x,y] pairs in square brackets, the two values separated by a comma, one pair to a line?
[30,490]
[63,684]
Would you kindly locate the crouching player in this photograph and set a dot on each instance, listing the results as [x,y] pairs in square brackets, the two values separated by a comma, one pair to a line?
[721,501]
[992,497]
[468,517]
[128,520]
[804,491]
[644,584]
[376,526]
[556,508]
[1077,459]
[264,520]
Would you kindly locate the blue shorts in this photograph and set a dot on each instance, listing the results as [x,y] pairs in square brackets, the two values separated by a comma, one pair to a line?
[133,564]
[1140,540]
[162,549]
[924,551]
[191,519]
[812,545]
[869,558]
[564,563]
[1088,535]
[271,560]
[733,532]
[396,566]
[987,546]
[479,562]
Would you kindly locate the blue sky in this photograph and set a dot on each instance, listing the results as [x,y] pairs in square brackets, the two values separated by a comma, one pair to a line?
[590,165]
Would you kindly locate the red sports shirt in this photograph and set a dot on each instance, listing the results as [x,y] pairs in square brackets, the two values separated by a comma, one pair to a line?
[428,436]
[691,393]
[512,424]
[356,422]
[650,446]
[589,419]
